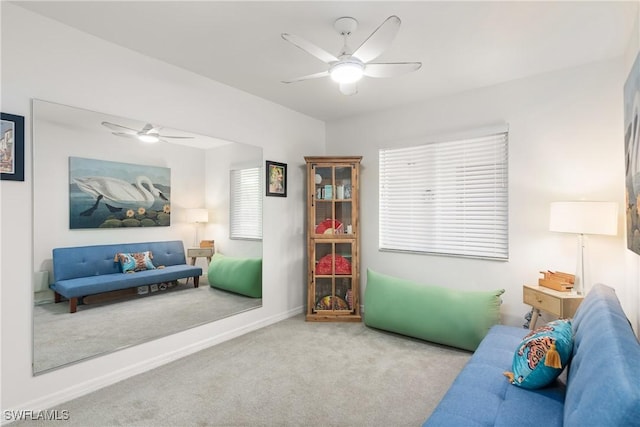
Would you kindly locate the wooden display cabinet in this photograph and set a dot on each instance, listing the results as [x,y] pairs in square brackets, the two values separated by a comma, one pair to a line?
[333,239]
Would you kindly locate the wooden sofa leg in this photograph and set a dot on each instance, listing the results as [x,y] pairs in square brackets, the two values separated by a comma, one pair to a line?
[73,304]
[196,281]
[57,297]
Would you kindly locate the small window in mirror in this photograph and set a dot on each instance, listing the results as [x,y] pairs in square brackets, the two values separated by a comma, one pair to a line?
[246,204]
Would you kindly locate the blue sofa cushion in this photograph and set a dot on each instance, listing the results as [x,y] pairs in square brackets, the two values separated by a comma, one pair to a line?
[81,286]
[604,373]
[135,261]
[533,366]
[480,395]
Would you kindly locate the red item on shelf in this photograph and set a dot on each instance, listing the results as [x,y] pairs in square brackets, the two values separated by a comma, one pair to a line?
[324,265]
[327,224]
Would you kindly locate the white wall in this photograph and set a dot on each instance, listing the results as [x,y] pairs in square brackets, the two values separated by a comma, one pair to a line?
[43,59]
[565,143]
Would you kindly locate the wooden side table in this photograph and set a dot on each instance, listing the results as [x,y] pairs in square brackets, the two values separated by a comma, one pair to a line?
[562,304]
[194,253]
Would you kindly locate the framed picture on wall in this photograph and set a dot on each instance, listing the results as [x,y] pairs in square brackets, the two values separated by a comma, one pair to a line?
[276,174]
[632,155]
[11,147]
[105,194]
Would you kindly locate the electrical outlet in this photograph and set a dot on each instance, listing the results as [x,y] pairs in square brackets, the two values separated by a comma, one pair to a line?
[153,288]
[143,290]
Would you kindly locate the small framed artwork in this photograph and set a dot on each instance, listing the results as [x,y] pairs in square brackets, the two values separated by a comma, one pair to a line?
[11,147]
[276,179]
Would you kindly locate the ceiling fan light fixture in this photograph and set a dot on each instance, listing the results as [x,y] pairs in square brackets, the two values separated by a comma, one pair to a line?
[349,66]
[347,71]
[148,138]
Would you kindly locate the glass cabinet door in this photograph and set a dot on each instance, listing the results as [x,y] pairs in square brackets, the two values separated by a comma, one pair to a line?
[333,259]
[333,273]
[333,212]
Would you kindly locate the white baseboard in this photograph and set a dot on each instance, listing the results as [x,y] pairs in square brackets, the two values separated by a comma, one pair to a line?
[78,390]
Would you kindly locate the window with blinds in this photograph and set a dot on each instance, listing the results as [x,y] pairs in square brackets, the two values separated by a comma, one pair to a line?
[246,204]
[448,198]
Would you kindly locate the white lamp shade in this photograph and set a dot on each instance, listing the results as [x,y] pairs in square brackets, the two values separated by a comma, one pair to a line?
[584,217]
[197,215]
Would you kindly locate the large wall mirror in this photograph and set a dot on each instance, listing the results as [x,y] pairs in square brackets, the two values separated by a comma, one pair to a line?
[200,169]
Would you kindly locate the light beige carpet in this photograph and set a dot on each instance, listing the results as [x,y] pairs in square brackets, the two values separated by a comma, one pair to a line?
[61,337]
[293,373]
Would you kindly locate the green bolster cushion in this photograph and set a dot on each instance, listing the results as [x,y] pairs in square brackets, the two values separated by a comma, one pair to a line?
[432,313]
[239,275]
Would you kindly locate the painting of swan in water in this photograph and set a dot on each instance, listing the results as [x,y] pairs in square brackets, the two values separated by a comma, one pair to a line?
[105,194]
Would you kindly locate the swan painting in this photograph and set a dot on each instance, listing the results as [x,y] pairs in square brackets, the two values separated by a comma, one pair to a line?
[104,194]
[117,194]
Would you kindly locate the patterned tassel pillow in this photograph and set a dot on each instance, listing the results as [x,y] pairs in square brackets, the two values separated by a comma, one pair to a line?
[132,262]
[542,355]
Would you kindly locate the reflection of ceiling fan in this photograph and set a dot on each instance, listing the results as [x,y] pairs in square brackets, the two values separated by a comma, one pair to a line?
[350,66]
[148,133]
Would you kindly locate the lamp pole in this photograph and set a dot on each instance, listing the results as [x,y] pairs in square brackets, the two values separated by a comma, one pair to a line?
[580,277]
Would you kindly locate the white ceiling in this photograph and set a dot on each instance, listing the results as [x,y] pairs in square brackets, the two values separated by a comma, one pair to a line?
[462,45]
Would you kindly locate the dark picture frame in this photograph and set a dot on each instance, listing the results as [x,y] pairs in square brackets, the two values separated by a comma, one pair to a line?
[11,147]
[276,179]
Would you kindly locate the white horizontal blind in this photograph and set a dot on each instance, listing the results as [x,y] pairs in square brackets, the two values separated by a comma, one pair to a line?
[447,198]
[246,204]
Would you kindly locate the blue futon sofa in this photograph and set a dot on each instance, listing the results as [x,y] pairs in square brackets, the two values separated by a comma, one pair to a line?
[87,270]
[602,385]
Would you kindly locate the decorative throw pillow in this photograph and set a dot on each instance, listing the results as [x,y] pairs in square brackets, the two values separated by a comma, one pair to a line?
[542,355]
[132,262]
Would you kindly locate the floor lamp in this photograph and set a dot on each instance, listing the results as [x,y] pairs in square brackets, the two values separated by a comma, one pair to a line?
[197,216]
[583,218]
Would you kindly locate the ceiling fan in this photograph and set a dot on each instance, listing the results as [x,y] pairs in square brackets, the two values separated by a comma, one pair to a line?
[148,133]
[349,66]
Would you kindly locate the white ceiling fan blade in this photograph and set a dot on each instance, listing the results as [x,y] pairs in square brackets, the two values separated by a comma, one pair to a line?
[379,40]
[152,130]
[126,135]
[348,88]
[174,137]
[118,128]
[308,77]
[390,69]
[310,48]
